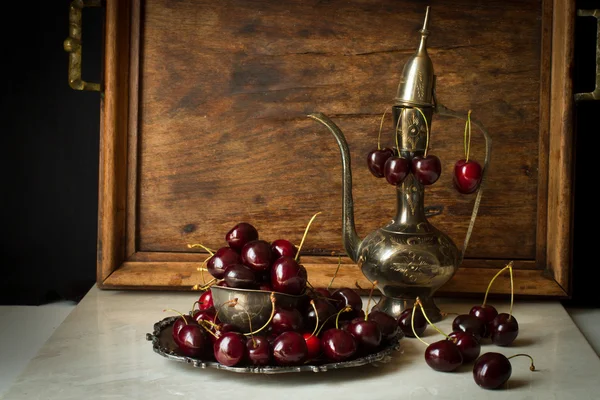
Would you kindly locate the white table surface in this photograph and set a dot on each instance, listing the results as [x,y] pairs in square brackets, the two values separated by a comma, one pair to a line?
[100,352]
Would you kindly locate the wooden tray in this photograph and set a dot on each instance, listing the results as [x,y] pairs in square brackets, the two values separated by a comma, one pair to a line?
[204,125]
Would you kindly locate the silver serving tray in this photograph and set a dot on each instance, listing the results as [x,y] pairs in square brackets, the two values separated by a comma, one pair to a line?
[163,344]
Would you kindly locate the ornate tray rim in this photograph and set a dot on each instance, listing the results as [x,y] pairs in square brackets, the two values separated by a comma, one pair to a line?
[381,357]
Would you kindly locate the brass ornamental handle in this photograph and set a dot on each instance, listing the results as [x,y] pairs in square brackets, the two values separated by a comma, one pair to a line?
[595,95]
[72,45]
[442,110]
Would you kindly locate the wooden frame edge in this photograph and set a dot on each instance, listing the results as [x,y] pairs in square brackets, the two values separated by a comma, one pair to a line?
[184,275]
[560,168]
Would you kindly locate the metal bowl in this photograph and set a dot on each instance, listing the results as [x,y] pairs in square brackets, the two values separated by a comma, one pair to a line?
[252,308]
[163,344]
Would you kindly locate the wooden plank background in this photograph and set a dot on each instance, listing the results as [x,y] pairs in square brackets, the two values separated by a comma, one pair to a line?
[225,86]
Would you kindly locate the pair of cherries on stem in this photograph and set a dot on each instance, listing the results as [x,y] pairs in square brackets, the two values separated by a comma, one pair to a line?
[467,173]
[501,328]
[395,168]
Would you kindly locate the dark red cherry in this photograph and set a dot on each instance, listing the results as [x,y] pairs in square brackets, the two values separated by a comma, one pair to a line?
[313,344]
[287,276]
[230,348]
[505,329]
[180,323]
[426,170]
[491,370]
[325,309]
[286,320]
[205,301]
[222,284]
[471,324]
[404,322]
[289,348]
[347,297]
[258,350]
[443,356]
[467,344]
[257,255]
[467,176]
[366,333]
[387,324]
[486,314]
[223,258]
[338,345]
[240,276]
[208,314]
[241,234]
[192,340]
[376,160]
[282,247]
[396,169]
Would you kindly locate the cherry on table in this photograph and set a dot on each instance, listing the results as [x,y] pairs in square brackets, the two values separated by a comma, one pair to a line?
[467,344]
[180,323]
[287,276]
[208,314]
[289,348]
[492,370]
[230,348]
[257,255]
[240,276]
[467,176]
[426,169]
[471,324]
[405,324]
[322,292]
[223,258]
[241,234]
[486,313]
[443,356]
[504,329]
[282,247]
[376,160]
[258,350]
[338,345]
[396,169]
[324,310]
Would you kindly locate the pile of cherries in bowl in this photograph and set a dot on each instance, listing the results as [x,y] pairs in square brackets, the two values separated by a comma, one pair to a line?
[330,326]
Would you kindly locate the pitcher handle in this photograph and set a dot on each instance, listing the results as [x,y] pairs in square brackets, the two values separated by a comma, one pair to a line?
[443,110]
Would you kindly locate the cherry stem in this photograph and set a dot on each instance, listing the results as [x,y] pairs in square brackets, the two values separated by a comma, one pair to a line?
[336,272]
[358,286]
[426,130]
[532,366]
[369,301]
[312,303]
[207,286]
[304,236]
[380,127]
[347,308]
[512,292]
[191,246]
[467,142]
[207,329]
[201,269]
[337,318]
[272,297]
[396,133]
[508,266]
[194,306]
[418,301]
[412,325]
[182,316]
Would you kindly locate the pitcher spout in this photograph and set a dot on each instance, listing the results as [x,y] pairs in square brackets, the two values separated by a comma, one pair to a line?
[351,240]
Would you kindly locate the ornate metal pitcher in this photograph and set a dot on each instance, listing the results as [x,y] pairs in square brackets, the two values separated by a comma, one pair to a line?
[408,257]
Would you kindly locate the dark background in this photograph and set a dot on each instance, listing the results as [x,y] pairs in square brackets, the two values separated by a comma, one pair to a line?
[50,141]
